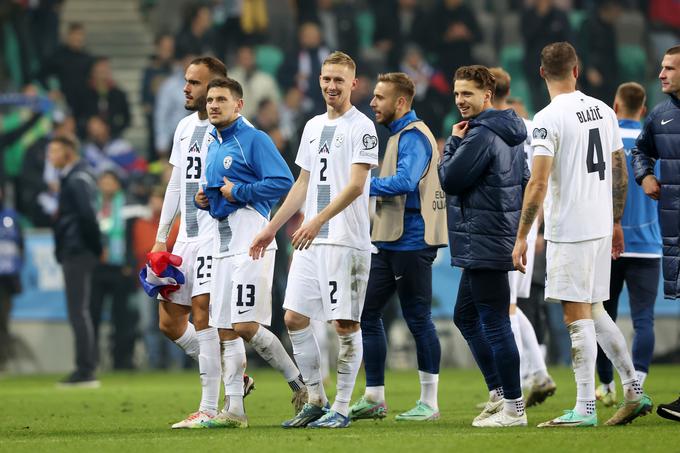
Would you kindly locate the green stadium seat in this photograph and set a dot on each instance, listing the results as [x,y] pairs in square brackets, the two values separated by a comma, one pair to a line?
[632,63]
[366,26]
[576,18]
[512,58]
[268,58]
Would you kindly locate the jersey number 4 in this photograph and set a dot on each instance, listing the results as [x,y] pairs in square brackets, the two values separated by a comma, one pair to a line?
[595,149]
[193,167]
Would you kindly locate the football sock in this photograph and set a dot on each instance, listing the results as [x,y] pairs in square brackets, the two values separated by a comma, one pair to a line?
[189,342]
[321,335]
[306,353]
[641,376]
[375,394]
[612,342]
[349,362]
[514,407]
[209,368]
[496,394]
[584,355]
[532,353]
[519,340]
[429,384]
[233,367]
[271,350]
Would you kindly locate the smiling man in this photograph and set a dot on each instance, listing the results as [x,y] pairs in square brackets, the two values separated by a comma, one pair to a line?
[484,171]
[329,272]
[245,177]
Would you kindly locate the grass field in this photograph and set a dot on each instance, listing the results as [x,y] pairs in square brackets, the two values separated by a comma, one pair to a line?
[133,412]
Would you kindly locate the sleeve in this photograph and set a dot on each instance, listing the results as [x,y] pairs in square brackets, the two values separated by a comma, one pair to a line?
[617,142]
[176,152]
[544,136]
[463,162]
[413,157]
[644,152]
[302,159]
[170,206]
[273,177]
[365,144]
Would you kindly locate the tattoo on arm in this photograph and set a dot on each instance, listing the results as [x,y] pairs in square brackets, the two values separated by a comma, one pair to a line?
[619,183]
[529,213]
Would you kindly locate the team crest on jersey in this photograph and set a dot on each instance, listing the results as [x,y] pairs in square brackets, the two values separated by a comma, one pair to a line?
[323,149]
[370,141]
[541,133]
[194,148]
[210,139]
[338,140]
[227,162]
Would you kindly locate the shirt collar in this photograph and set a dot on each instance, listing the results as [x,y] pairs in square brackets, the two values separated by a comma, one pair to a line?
[397,125]
[629,124]
[227,131]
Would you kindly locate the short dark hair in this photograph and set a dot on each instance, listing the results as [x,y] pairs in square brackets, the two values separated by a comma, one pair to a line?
[402,84]
[75,26]
[214,65]
[558,59]
[69,141]
[228,83]
[673,50]
[502,83]
[632,96]
[478,74]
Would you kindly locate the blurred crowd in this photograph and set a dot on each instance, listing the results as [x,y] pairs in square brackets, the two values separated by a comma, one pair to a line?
[51,83]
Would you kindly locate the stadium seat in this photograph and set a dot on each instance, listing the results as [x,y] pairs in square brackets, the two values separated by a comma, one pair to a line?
[576,18]
[366,26]
[512,58]
[268,58]
[630,28]
[632,62]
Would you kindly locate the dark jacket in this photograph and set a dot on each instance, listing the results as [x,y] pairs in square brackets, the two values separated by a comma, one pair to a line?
[660,139]
[484,175]
[76,230]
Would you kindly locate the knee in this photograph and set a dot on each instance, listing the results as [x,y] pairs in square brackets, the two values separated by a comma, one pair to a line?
[346,327]
[295,321]
[171,328]
[246,330]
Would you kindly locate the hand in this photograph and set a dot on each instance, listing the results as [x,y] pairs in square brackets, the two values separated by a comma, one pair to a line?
[460,129]
[159,247]
[651,187]
[594,77]
[304,235]
[519,255]
[261,242]
[617,241]
[226,189]
[201,199]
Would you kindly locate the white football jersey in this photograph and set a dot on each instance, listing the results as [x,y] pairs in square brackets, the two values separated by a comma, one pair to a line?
[189,150]
[236,232]
[328,148]
[580,133]
[529,154]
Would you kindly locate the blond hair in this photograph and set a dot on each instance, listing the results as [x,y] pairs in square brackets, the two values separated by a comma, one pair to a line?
[402,84]
[340,58]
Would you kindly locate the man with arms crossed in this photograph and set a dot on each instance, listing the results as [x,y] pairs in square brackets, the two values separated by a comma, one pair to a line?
[245,176]
[409,226]
[578,160]
[329,271]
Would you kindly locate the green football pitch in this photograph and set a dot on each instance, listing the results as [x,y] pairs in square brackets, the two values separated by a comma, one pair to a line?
[133,412]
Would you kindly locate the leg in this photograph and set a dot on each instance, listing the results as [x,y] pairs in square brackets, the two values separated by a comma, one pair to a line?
[604,366]
[100,288]
[125,320]
[173,321]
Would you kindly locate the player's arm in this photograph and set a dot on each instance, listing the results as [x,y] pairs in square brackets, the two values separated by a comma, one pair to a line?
[534,194]
[619,191]
[304,236]
[644,158]
[464,161]
[291,205]
[170,208]
[412,159]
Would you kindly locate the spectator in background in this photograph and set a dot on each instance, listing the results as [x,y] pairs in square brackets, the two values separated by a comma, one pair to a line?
[11,261]
[155,73]
[112,276]
[102,97]
[338,24]
[104,152]
[454,31]
[257,85]
[599,50]
[70,64]
[78,246]
[402,23]
[291,113]
[44,23]
[196,36]
[301,69]
[541,24]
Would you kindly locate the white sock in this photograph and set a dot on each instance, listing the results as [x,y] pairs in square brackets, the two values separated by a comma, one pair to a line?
[496,394]
[533,354]
[233,367]
[429,384]
[641,376]
[189,342]
[321,335]
[610,386]
[514,407]
[209,368]
[375,394]
[306,353]
[584,355]
[612,342]
[270,349]
[349,361]
[523,368]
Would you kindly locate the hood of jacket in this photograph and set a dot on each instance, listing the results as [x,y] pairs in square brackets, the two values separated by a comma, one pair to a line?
[504,123]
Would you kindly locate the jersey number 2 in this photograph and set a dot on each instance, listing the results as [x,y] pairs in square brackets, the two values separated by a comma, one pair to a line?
[322,172]
[595,147]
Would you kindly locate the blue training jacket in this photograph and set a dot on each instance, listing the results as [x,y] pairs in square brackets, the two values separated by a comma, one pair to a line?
[413,156]
[249,159]
[640,219]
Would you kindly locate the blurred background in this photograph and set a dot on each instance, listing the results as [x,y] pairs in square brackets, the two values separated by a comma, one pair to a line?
[112,71]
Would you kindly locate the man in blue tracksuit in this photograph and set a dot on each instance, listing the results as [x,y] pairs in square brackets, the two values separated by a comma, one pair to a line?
[640,264]
[409,226]
[245,176]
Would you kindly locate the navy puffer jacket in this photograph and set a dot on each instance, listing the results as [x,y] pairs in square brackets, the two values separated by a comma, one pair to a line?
[484,175]
[660,139]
